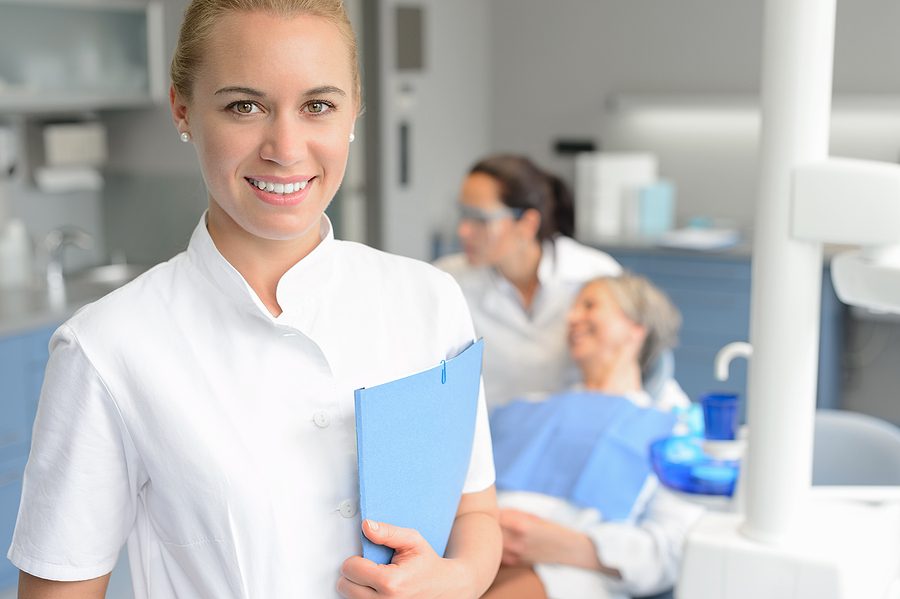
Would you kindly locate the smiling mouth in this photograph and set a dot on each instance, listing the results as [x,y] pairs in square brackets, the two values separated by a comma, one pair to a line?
[576,336]
[279,188]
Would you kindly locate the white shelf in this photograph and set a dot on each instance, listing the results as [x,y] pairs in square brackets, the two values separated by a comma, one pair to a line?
[740,102]
[65,102]
[638,102]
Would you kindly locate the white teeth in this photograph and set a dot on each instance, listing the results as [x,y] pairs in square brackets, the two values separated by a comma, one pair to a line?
[281,188]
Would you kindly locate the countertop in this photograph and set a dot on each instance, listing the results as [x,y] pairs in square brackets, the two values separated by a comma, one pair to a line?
[27,309]
[23,310]
[741,250]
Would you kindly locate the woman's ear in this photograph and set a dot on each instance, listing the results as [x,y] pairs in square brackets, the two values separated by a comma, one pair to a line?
[179,110]
[638,335]
[530,221]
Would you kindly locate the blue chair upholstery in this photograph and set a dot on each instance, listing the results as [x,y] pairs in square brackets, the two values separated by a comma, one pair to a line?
[855,449]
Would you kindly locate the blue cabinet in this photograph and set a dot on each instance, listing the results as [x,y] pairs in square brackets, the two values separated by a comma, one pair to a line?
[23,359]
[14,362]
[712,291]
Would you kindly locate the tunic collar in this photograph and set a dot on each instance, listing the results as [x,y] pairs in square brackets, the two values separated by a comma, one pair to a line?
[547,267]
[546,273]
[298,291]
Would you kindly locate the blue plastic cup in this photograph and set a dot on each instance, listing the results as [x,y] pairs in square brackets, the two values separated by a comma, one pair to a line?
[720,416]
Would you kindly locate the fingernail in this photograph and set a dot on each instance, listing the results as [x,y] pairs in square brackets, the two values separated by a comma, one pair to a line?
[373,525]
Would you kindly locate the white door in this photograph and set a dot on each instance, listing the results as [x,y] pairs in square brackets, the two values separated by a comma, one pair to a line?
[433,121]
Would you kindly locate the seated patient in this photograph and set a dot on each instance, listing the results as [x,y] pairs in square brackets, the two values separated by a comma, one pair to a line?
[581,512]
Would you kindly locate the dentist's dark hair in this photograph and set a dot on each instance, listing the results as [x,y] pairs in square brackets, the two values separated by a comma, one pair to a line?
[526,186]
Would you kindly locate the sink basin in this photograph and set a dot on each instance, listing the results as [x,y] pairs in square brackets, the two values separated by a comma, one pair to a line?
[109,275]
[39,305]
[95,282]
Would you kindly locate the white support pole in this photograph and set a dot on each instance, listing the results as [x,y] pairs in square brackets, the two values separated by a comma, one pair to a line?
[785,300]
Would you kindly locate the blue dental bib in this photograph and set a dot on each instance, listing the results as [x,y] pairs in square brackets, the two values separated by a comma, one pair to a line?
[588,448]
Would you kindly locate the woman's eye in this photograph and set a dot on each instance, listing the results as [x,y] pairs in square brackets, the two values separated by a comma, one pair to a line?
[244,107]
[318,107]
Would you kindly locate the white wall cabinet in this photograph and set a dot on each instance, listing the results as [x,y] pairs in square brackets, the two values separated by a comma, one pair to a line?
[60,56]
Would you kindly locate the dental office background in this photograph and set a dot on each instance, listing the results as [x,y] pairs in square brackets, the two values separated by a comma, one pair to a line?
[447,82]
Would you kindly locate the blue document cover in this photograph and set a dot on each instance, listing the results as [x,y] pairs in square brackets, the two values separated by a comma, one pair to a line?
[414,443]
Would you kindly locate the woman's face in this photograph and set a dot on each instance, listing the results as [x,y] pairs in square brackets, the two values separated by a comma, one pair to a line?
[599,331]
[272,110]
[487,227]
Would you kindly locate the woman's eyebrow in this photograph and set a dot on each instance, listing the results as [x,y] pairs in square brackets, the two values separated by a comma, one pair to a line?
[249,91]
[325,89]
[236,89]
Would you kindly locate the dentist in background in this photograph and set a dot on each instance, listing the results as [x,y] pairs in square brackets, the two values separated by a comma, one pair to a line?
[520,270]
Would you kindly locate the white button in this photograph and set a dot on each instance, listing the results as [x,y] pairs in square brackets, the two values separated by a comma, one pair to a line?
[322,418]
[347,508]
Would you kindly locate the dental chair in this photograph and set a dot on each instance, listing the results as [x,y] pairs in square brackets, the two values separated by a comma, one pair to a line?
[855,449]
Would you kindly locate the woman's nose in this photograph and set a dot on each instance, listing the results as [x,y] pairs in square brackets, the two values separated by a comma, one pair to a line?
[464,229]
[285,141]
[574,315]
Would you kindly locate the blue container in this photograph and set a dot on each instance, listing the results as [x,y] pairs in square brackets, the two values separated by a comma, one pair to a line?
[656,208]
[680,464]
[720,416]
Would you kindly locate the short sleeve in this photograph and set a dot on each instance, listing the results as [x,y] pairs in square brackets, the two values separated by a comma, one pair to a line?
[481,466]
[79,496]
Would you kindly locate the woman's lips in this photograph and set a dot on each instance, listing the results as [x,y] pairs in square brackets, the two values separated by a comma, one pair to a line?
[273,197]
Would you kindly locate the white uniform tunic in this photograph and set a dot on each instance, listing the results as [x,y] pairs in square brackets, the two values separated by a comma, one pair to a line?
[219,440]
[525,352]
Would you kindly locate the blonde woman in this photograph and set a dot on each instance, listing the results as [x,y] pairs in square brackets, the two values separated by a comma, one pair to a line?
[582,515]
[204,412]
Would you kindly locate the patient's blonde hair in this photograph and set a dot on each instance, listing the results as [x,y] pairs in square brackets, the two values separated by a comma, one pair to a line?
[646,305]
[201,15]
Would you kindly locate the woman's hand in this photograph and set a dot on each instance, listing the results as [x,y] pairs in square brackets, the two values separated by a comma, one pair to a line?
[415,571]
[524,538]
[529,539]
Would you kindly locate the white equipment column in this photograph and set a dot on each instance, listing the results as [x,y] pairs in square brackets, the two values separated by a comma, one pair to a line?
[798,47]
[795,541]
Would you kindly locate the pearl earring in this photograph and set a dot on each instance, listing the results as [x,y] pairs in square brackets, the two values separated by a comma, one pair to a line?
[185,136]
[352,137]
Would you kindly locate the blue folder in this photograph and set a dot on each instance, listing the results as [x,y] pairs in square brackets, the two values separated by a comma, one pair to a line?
[414,443]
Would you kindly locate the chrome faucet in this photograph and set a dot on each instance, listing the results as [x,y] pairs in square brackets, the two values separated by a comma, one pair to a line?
[55,243]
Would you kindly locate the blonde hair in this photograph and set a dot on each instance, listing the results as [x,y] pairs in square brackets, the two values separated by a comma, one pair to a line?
[646,305]
[201,16]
